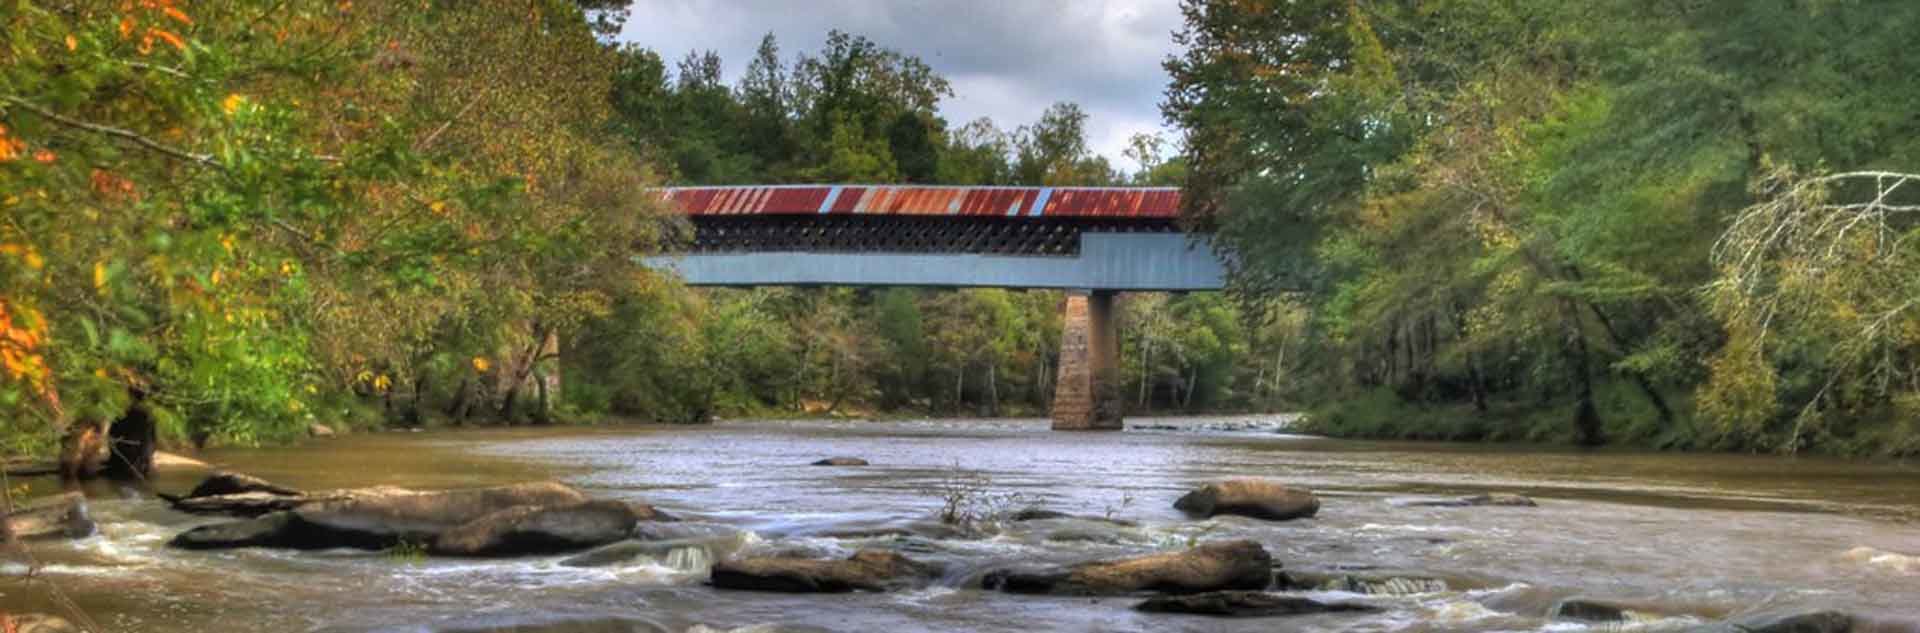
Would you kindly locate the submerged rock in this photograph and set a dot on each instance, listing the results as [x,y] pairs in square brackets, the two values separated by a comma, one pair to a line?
[533,530]
[841,461]
[691,554]
[866,570]
[1256,498]
[1224,565]
[37,623]
[1041,514]
[375,518]
[1588,611]
[1373,584]
[1809,622]
[1486,499]
[1246,604]
[59,516]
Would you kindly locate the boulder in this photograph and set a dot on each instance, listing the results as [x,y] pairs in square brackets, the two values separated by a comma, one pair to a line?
[866,570]
[374,518]
[37,623]
[1588,611]
[841,461]
[319,430]
[1257,498]
[1486,499]
[1217,566]
[224,482]
[1246,604]
[535,530]
[58,516]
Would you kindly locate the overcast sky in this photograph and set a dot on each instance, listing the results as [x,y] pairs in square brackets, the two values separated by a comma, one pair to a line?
[1007,59]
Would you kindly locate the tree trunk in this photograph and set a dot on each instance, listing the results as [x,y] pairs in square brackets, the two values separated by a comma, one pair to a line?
[1146,367]
[413,416]
[1586,417]
[522,370]
[1193,382]
[960,388]
[543,415]
[131,441]
[993,388]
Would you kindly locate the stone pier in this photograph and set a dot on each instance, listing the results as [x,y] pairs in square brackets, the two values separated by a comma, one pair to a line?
[1087,396]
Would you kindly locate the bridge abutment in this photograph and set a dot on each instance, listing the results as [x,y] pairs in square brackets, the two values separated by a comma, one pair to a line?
[1087,394]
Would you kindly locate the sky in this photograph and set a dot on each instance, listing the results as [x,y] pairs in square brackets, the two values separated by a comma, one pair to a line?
[1007,59]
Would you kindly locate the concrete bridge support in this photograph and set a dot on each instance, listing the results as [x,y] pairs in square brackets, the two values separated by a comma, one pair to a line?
[1087,395]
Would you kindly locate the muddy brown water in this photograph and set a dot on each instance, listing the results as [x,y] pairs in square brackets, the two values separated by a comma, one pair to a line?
[1682,539]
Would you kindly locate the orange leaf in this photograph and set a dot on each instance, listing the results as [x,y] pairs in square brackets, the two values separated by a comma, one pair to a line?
[72,44]
[126,27]
[170,38]
[177,15]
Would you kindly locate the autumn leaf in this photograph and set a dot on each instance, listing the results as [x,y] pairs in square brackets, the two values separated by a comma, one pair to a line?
[126,27]
[72,44]
[100,277]
[177,15]
[232,103]
[481,364]
[170,38]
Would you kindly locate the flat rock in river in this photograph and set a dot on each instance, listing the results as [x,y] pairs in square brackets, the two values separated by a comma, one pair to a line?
[866,570]
[1256,498]
[1222,565]
[533,530]
[1247,604]
[375,518]
[59,516]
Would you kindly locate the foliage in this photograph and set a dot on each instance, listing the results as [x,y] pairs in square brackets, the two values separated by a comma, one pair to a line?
[1507,241]
[255,212]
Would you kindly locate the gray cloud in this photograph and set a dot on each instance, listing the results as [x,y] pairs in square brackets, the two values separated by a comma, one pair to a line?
[1008,59]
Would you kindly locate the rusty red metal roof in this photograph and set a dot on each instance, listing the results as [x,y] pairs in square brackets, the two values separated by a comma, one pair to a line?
[1159,203]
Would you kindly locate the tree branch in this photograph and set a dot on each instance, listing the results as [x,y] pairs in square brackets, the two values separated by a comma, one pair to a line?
[204,160]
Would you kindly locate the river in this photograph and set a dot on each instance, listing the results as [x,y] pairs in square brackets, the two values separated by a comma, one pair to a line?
[1681,538]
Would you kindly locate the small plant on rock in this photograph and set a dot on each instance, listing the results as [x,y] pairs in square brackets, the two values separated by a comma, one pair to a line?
[968,500]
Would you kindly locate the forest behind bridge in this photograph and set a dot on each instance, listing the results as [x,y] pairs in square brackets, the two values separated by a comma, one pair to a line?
[1653,224]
